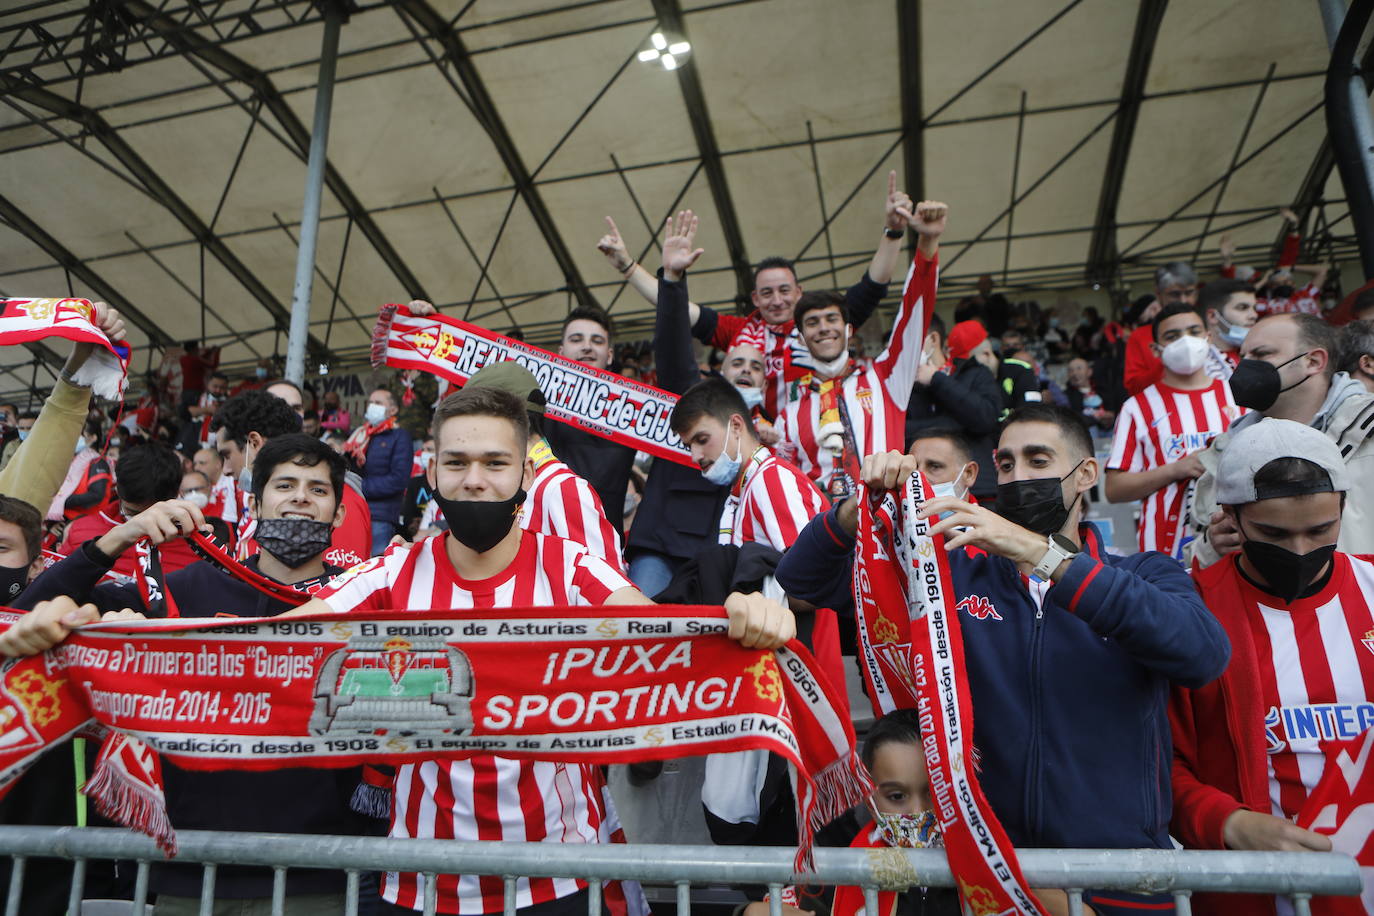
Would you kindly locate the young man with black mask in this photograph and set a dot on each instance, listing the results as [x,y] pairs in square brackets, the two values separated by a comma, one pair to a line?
[486,560]
[298,483]
[1247,748]
[1070,650]
[242,425]
[1288,371]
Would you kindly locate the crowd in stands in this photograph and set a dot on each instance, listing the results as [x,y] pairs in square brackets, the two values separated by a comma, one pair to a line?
[1123,699]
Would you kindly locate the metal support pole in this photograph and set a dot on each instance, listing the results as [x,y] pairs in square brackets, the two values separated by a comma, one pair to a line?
[310,210]
[1348,121]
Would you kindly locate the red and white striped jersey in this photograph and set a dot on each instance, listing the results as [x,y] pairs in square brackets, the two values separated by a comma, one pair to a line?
[485,798]
[876,395]
[1158,427]
[1316,668]
[563,504]
[224,499]
[771,505]
[1306,299]
[1220,363]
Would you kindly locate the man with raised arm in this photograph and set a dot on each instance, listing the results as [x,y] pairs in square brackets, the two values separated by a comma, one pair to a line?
[843,411]
[769,328]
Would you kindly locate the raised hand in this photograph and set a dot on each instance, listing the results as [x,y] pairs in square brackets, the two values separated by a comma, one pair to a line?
[678,253]
[1288,215]
[898,204]
[1228,248]
[613,247]
[928,219]
[109,321]
[421,309]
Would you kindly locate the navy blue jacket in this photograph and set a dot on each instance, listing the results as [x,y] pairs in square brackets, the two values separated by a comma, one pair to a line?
[386,473]
[289,800]
[1069,701]
[680,513]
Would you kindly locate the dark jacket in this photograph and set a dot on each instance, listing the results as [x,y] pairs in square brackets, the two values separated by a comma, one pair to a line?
[386,473]
[1069,701]
[290,800]
[861,300]
[967,399]
[605,465]
[1019,383]
[680,512]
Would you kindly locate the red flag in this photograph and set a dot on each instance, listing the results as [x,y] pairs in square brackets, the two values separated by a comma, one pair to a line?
[1341,807]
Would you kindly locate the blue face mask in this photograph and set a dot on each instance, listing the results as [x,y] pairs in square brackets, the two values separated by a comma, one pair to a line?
[1092,401]
[725,470]
[1233,334]
[23,434]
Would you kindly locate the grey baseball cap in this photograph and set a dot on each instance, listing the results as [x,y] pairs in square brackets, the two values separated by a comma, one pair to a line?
[1268,440]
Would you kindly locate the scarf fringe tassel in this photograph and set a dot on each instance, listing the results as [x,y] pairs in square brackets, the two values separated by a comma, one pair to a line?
[127,802]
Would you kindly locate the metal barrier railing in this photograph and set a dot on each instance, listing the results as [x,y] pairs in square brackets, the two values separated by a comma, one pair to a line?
[1298,875]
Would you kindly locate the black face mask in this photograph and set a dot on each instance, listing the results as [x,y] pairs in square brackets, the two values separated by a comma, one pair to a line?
[1036,505]
[1281,292]
[480,526]
[1256,384]
[12,582]
[1289,575]
[294,541]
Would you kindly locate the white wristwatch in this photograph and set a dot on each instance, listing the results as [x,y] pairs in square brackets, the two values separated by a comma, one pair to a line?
[1059,549]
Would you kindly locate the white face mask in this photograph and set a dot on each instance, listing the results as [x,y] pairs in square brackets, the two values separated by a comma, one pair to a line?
[835,366]
[948,487]
[753,397]
[374,414]
[196,498]
[426,458]
[1185,355]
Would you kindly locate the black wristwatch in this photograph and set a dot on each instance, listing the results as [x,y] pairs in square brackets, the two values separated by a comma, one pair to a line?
[894,233]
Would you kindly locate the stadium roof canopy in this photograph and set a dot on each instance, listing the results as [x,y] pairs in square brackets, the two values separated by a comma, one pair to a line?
[152,152]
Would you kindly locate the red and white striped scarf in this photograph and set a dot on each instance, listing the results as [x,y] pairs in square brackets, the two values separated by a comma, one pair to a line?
[579,684]
[914,659]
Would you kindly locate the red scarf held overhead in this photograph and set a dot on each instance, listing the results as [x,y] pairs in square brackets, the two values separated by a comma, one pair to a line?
[914,659]
[580,684]
[356,446]
[30,320]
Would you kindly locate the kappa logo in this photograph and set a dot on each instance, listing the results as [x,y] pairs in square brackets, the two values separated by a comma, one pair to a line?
[978,607]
